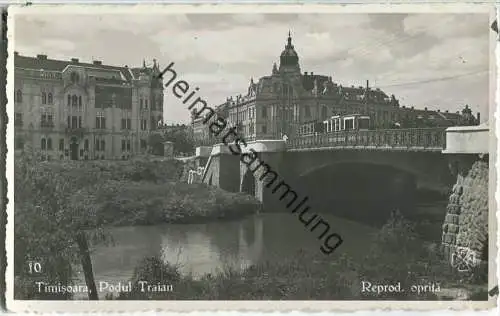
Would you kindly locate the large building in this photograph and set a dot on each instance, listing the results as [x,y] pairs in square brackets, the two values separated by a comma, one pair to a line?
[76,110]
[281,102]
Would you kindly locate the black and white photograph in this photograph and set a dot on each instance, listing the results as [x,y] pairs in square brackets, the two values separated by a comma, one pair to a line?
[252,155]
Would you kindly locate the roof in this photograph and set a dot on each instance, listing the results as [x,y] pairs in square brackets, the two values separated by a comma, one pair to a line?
[59,65]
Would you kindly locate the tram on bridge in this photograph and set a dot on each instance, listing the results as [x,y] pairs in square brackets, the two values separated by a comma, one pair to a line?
[336,123]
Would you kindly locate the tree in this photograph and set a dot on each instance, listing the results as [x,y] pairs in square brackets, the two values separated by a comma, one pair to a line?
[181,138]
[155,142]
[50,228]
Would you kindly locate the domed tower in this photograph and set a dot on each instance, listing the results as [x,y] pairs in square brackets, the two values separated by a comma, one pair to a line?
[289,60]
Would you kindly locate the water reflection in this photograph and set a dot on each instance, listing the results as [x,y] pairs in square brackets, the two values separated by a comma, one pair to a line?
[199,249]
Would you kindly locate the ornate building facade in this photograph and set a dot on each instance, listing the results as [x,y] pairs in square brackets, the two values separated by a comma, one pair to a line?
[279,103]
[83,111]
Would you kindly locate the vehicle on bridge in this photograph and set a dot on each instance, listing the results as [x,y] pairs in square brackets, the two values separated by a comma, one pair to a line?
[336,123]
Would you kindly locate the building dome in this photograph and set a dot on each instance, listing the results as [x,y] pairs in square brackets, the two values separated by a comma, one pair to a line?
[289,56]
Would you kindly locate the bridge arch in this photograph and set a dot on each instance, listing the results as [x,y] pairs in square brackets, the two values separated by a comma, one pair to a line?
[430,169]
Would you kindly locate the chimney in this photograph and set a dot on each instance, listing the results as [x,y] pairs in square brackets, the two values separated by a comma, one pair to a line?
[478,118]
[41,57]
[404,107]
[367,84]
[16,53]
[95,62]
[312,73]
[413,108]
[425,109]
[305,73]
[74,60]
[439,110]
[446,111]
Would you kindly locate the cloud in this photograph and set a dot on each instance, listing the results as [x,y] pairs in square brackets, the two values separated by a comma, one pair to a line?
[447,25]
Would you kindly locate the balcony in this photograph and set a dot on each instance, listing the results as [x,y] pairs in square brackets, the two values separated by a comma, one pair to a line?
[47,124]
[76,131]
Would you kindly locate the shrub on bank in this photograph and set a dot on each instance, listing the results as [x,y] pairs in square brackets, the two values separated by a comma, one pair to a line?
[119,203]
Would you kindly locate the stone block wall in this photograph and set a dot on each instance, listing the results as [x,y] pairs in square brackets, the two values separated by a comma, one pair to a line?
[465,226]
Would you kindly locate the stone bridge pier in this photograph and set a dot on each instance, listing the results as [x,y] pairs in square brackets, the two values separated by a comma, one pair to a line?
[465,228]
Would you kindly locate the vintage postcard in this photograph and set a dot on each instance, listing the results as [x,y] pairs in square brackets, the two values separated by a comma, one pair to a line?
[269,158]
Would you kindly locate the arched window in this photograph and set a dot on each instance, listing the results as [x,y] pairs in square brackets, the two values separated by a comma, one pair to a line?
[44,98]
[43,144]
[49,144]
[74,100]
[80,100]
[69,100]
[19,96]
[50,100]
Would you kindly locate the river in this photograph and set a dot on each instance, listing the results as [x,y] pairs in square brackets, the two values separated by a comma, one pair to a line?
[208,248]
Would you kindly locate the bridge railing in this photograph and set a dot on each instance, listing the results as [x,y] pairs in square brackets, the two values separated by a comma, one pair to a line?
[425,138]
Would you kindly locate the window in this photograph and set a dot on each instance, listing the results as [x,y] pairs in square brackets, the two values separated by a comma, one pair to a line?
[307,111]
[50,99]
[43,144]
[97,145]
[145,103]
[69,121]
[349,124]
[49,144]
[128,145]
[74,77]
[264,112]
[44,98]
[79,122]
[19,96]
[61,144]
[80,101]
[19,143]
[140,103]
[86,144]
[69,100]
[264,129]
[100,121]
[102,146]
[324,111]
[144,124]
[74,122]
[123,144]
[143,144]
[74,100]
[18,119]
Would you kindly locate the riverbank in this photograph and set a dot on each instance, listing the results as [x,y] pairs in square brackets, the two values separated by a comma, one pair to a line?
[141,191]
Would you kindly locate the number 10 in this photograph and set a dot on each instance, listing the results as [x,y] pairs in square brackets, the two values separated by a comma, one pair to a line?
[35,267]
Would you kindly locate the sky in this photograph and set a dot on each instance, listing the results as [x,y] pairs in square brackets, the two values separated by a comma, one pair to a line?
[439,61]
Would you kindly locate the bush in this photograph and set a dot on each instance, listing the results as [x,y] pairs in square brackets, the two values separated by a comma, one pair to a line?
[120,203]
